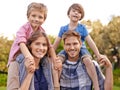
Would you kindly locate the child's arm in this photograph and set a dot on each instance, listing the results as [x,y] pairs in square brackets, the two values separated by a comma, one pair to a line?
[26,53]
[25,50]
[56,43]
[93,46]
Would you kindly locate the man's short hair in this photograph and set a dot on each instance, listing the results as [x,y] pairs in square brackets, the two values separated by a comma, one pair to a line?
[70,33]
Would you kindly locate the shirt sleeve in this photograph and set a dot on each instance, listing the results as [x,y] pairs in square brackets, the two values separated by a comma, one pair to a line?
[13,76]
[21,35]
[85,32]
[63,29]
[60,32]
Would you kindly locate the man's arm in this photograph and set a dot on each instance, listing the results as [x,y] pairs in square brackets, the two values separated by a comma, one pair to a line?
[108,85]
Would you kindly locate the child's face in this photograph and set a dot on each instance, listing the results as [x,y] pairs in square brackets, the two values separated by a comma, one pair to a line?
[36,18]
[74,15]
[39,47]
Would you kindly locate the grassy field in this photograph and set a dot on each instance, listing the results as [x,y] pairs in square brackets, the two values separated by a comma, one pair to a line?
[115,88]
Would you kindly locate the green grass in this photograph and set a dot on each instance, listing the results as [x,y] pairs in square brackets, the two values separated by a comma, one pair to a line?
[114,88]
[2,88]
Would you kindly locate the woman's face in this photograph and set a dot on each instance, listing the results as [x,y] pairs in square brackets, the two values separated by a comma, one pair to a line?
[39,47]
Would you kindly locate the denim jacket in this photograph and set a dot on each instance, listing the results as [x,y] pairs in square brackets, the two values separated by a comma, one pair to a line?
[47,70]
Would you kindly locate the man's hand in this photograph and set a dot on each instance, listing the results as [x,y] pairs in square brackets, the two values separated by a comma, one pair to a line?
[105,61]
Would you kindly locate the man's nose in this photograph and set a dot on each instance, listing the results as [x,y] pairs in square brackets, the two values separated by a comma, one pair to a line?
[72,46]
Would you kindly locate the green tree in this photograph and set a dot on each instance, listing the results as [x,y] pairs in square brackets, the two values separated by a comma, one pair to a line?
[5,45]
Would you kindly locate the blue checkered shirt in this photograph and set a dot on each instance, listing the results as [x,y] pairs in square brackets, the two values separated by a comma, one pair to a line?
[74,76]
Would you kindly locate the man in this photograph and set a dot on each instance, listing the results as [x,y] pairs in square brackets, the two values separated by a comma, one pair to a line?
[74,75]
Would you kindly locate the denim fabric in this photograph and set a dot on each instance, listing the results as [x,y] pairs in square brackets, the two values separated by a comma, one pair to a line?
[46,65]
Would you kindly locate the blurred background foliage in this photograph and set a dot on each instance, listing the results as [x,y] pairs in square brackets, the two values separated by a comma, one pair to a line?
[106,37]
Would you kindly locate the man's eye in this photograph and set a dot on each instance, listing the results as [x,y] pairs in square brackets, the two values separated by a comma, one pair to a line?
[68,44]
[75,43]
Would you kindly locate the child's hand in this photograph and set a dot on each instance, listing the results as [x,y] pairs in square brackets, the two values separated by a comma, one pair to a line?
[99,59]
[105,61]
[58,63]
[30,64]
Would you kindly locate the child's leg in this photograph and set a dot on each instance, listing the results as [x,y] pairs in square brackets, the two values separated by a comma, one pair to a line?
[91,71]
[55,78]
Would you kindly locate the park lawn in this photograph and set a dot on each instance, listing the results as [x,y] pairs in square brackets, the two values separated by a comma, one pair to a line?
[114,88]
[2,88]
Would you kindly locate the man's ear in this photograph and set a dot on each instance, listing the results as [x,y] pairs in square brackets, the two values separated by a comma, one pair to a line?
[64,47]
[80,43]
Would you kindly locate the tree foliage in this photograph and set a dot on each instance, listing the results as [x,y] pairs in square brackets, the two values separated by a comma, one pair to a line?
[106,37]
[5,45]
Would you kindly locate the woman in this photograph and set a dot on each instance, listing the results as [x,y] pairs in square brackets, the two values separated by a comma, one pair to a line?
[20,74]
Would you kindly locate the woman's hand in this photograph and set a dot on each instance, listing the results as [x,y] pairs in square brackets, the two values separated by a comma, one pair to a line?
[30,65]
[58,63]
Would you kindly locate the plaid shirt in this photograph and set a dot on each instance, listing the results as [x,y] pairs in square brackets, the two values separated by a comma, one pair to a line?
[74,76]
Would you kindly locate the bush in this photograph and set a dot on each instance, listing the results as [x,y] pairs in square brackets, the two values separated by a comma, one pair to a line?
[3,79]
[116,76]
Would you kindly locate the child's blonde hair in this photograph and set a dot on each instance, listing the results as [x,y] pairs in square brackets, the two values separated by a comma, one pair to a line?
[37,6]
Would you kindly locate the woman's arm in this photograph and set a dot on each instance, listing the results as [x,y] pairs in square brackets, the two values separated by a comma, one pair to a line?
[13,76]
[26,83]
[13,82]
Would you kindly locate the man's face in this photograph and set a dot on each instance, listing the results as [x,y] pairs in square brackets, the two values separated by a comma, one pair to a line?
[72,47]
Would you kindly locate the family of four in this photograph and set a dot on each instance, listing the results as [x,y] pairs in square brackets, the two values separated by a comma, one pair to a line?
[32,58]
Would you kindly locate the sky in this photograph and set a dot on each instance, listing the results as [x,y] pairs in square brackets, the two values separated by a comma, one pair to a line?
[13,13]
